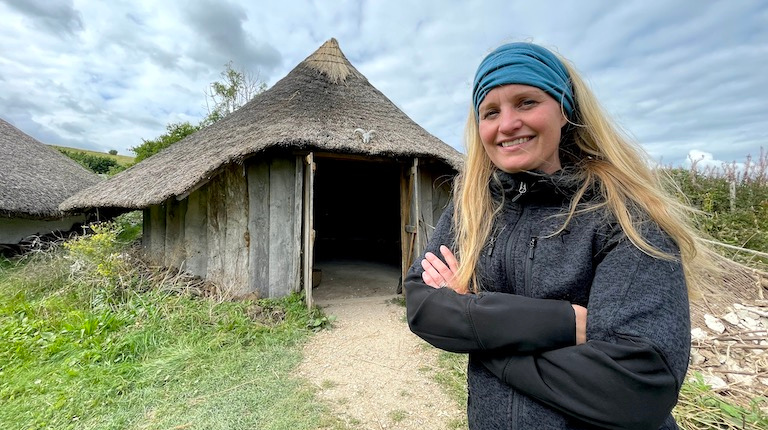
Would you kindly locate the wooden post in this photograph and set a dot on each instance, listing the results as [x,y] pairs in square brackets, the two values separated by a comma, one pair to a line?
[416,205]
[733,195]
[309,228]
[405,212]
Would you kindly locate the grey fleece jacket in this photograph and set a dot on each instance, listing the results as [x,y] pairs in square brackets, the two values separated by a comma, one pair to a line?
[525,371]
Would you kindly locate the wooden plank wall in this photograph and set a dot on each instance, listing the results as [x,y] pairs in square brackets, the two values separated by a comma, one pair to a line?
[237,237]
[174,254]
[196,234]
[274,194]
[426,212]
[227,231]
[258,226]
[156,248]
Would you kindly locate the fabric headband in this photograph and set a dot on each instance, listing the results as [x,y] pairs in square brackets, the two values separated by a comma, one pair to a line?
[526,64]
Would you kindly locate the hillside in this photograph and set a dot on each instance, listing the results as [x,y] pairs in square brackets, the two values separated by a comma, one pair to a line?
[123,160]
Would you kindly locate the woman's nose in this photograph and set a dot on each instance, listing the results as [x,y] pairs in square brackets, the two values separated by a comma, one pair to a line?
[510,122]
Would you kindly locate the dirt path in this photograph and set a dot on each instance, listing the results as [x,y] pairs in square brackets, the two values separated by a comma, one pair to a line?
[374,373]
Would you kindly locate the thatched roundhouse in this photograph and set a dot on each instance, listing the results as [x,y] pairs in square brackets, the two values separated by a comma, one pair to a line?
[34,180]
[320,166]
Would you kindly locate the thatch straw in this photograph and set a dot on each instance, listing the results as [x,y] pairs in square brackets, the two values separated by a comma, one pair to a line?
[317,106]
[36,178]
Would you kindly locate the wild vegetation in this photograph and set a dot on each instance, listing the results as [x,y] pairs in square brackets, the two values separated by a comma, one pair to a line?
[97,162]
[90,338]
[733,199]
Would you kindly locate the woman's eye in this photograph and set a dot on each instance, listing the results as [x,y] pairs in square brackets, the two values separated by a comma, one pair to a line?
[489,113]
[526,103]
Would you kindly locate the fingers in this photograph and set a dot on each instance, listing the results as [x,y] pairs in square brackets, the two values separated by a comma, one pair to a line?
[453,263]
[441,271]
[427,274]
[431,275]
[438,273]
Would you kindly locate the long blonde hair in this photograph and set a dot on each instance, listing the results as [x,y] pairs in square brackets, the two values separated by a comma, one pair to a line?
[606,160]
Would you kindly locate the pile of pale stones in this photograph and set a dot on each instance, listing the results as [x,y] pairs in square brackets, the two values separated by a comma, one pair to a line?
[731,351]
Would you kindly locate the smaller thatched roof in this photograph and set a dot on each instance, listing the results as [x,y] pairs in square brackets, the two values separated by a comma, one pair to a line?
[35,178]
[323,104]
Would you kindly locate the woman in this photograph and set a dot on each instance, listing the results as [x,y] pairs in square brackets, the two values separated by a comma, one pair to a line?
[562,267]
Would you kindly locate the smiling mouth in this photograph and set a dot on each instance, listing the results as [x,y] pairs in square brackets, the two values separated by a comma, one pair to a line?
[515,142]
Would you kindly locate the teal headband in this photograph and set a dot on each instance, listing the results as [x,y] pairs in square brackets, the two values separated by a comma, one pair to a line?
[525,64]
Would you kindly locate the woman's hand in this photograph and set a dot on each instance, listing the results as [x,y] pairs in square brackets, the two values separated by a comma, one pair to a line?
[437,274]
[581,324]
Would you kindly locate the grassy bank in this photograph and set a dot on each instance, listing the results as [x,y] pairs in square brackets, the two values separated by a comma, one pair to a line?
[87,343]
[123,160]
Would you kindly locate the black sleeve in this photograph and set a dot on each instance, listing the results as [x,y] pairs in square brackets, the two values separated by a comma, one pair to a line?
[486,321]
[621,385]
[629,373]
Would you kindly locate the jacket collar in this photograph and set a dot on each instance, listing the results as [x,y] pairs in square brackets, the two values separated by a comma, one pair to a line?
[537,186]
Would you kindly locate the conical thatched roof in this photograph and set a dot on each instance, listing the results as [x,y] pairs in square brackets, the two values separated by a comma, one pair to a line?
[36,178]
[317,106]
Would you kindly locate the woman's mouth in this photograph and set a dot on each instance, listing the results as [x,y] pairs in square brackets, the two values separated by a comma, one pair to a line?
[515,142]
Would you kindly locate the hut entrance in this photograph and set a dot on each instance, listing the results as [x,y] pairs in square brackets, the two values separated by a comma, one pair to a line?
[357,228]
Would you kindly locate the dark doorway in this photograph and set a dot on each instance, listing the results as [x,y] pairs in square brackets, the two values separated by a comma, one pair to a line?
[357,211]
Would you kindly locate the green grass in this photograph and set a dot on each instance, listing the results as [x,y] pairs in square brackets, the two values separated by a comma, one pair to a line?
[123,160]
[78,351]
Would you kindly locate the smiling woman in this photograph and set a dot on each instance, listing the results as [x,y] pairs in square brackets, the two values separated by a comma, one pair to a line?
[520,129]
[562,267]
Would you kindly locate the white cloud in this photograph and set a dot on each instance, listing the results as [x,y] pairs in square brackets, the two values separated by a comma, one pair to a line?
[679,76]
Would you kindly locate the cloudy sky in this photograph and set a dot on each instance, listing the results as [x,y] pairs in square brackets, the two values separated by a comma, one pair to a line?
[681,76]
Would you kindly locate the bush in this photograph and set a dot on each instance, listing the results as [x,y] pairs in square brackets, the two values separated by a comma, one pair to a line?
[94,163]
[745,226]
[175,132]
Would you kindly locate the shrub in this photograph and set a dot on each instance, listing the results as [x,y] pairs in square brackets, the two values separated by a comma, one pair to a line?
[94,163]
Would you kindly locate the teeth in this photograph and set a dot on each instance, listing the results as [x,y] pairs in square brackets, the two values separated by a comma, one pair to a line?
[515,142]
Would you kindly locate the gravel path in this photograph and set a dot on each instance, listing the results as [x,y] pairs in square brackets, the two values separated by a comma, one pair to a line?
[374,373]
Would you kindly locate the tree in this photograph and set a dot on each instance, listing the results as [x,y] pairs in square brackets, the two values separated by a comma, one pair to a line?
[113,152]
[175,132]
[222,98]
[236,88]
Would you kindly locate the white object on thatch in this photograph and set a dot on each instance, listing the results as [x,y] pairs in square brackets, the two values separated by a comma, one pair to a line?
[714,323]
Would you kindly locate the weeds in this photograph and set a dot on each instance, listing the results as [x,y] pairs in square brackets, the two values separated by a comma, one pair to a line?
[701,408]
[86,343]
[733,203]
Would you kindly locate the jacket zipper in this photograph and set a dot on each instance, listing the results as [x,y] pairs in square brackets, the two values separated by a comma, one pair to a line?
[529,263]
[522,189]
[494,238]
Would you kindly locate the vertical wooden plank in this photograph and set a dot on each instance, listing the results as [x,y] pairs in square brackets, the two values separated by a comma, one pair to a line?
[419,241]
[236,232]
[157,238]
[216,229]
[146,229]
[441,194]
[174,233]
[281,222]
[426,207]
[196,233]
[258,226]
[405,212]
[298,192]
[309,232]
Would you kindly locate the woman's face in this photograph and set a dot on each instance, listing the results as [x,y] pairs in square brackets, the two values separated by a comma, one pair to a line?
[520,128]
